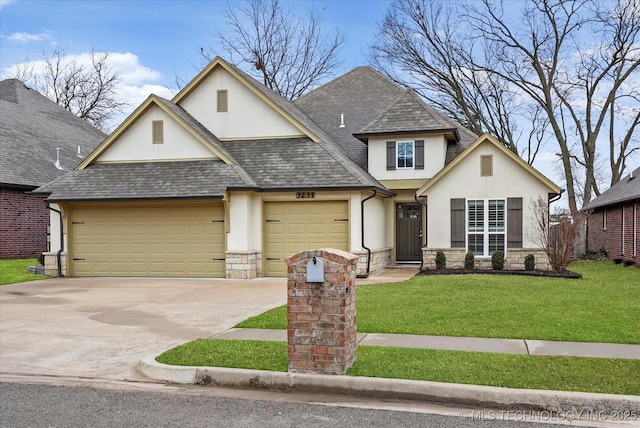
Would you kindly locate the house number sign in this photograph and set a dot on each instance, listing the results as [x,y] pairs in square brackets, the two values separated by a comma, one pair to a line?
[305,195]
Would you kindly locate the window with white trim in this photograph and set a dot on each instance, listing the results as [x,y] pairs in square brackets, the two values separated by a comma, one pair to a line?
[404,155]
[486,226]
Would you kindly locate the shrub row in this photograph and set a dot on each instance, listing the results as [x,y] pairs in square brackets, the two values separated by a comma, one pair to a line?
[497,261]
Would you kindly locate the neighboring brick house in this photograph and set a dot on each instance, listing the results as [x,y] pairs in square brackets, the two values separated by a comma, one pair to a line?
[613,221]
[32,127]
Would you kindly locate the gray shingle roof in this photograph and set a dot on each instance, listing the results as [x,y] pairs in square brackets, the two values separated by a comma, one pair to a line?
[408,113]
[333,146]
[627,189]
[291,163]
[361,95]
[372,103]
[146,180]
[31,128]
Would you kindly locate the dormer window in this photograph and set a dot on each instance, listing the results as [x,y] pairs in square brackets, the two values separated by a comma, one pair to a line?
[405,154]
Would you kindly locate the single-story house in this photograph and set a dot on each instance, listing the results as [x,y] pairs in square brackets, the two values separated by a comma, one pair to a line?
[613,221]
[228,179]
[39,142]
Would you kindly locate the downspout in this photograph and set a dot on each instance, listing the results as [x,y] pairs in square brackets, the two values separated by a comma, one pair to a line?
[58,255]
[552,200]
[366,274]
[415,196]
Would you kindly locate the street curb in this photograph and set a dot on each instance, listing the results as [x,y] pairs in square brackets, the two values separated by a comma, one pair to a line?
[438,392]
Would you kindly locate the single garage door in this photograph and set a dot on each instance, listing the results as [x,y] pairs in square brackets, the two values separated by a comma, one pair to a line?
[174,240]
[291,227]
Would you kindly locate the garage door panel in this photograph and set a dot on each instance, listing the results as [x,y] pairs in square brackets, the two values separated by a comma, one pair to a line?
[292,227]
[179,240]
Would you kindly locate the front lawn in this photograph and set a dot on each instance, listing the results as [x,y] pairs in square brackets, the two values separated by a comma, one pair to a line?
[603,306]
[12,271]
[601,375]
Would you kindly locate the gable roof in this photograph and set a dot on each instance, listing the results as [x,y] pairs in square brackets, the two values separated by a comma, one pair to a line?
[627,189]
[488,138]
[195,128]
[409,112]
[370,103]
[31,128]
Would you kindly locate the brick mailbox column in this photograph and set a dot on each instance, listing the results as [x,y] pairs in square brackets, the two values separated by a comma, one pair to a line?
[321,316]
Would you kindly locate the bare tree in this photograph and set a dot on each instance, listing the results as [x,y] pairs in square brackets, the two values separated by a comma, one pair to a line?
[570,67]
[85,88]
[287,54]
[422,44]
[558,238]
[582,89]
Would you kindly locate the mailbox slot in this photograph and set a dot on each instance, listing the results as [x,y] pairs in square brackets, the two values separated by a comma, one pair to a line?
[315,270]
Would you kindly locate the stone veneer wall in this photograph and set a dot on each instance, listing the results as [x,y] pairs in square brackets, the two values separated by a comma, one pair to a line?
[514,259]
[51,263]
[380,259]
[243,264]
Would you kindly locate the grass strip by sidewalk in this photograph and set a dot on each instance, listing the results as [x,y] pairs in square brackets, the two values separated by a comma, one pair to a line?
[14,271]
[600,375]
[604,306]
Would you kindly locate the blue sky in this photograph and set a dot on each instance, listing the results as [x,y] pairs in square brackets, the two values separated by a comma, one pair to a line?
[164,35]
[153,41]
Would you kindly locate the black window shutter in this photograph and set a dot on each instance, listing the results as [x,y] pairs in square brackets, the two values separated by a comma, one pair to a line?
[391,155]
[514,222]
[419,160]
[457,223]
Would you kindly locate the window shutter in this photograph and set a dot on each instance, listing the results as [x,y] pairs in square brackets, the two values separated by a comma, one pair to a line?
[157,132]
[391,155]
[457,223]
[514,222]
[419,154]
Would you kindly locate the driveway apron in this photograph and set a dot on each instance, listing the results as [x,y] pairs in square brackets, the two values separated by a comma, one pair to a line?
[102,327]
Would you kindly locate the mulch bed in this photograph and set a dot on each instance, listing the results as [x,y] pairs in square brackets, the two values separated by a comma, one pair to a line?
[536,272]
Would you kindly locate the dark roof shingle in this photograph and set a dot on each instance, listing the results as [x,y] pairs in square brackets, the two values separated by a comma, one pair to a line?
[146,180]
[31,128]
[627,189]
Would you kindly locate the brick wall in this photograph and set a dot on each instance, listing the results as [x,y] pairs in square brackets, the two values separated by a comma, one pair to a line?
[321,316]
[23,225]
[618,242]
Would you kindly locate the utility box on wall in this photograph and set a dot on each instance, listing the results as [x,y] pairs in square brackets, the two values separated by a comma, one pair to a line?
[321,311]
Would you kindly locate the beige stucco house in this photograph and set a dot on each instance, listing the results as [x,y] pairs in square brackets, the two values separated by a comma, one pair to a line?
[228,179]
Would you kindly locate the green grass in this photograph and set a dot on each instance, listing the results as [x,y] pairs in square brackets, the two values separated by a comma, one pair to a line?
[601,375]
[12,271]
[254,354]
[604,306]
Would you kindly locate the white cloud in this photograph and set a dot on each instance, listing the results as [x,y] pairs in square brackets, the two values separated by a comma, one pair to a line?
[4,3]
[137,82]
[22,37]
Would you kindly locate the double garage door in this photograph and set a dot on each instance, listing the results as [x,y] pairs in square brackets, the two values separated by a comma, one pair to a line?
[291,227]
[173,240]
[188,240]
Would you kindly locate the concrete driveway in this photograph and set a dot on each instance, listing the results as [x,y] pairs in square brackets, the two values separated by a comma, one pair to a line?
[102,327]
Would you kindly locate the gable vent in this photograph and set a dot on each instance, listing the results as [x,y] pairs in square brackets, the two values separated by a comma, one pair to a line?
[158,132]
[223,101]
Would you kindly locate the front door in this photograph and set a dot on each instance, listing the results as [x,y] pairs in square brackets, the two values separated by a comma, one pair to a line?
[408,232]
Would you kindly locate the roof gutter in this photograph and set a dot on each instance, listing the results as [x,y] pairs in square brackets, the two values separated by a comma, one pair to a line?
[366,274]
[59,253]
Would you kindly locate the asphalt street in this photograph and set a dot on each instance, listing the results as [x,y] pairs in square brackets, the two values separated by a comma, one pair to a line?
[38,405]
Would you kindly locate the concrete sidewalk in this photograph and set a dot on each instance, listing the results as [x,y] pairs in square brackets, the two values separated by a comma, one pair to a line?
[477,344]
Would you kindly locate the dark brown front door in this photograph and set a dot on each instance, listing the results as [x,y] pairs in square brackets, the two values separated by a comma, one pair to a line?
[408,232]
